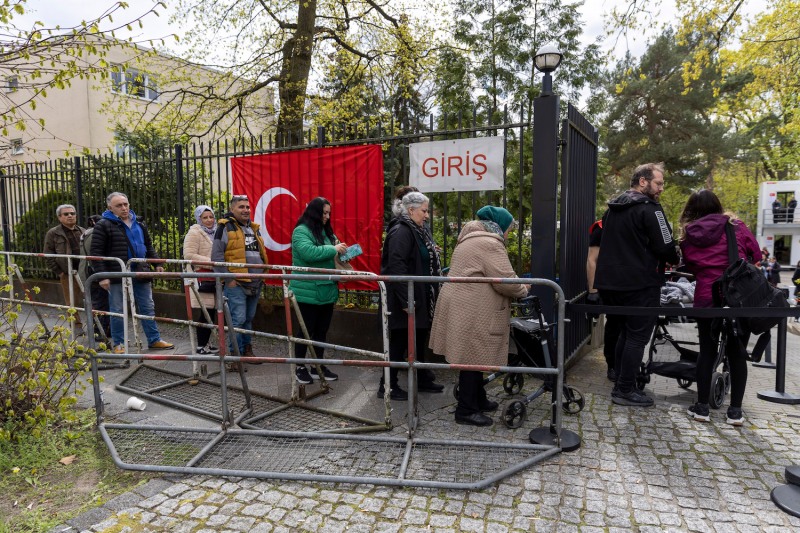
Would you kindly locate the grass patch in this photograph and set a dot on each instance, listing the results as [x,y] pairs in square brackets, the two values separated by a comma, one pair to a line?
[40,492]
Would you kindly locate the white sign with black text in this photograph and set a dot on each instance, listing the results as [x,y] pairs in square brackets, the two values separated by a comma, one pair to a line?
[457,165]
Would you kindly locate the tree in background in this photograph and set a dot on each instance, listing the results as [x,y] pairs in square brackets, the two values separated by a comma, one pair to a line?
[275,44]
[766,72]
[654,117]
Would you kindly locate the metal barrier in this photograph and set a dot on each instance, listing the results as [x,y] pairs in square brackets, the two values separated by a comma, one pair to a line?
[317,456]
[73,275]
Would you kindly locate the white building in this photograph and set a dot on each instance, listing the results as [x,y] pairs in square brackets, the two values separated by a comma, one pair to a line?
[779,226]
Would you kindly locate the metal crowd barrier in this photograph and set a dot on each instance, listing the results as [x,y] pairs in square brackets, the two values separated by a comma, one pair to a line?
[410,460]
[72,303]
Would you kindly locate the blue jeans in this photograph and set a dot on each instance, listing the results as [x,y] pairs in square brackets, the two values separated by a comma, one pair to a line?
[143,296]
[243,309]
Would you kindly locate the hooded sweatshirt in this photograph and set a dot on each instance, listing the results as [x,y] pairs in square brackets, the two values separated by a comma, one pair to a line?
[705,252]
[637,241]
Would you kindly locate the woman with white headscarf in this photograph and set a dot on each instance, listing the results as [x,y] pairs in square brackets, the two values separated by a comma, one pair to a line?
[197,247]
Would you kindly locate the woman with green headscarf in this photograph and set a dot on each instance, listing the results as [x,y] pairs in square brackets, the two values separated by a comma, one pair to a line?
[470,326]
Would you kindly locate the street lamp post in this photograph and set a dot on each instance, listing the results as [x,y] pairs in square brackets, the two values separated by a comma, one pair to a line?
[544,195]
[544,184]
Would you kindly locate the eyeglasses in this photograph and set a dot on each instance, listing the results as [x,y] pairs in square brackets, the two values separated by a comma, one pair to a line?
[238,197]
[67,214]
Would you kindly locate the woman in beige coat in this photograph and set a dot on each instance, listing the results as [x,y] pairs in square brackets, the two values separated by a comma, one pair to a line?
[470,325]
[197,247]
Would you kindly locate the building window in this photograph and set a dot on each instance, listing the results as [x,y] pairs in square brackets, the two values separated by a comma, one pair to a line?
[16,147]
[12,84]
[133,82]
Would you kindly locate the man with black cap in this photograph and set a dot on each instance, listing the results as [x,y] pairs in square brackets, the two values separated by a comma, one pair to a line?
[637,242]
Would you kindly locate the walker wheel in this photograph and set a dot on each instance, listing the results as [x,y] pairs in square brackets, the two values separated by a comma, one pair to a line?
[455,392]
[573,401]
[684,383]
[717,396]
[514,414]
[512,383]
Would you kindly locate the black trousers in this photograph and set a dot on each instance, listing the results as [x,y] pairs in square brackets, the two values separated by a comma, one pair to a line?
[398,351]
[709,330]
[317,319]
[610,337]
[635,332]
[99,298]
[203,334]
[471,392]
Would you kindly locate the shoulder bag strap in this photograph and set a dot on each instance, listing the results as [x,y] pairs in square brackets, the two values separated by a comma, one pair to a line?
[733,248]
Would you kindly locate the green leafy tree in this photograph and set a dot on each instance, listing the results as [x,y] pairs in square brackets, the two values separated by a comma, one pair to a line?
[653,117]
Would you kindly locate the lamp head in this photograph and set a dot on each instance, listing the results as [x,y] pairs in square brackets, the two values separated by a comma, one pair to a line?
[547,58]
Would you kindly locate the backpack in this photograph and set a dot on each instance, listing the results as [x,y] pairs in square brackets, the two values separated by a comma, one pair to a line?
[743,284]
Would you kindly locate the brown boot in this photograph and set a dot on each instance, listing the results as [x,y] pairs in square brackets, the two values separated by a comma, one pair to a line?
[248,352]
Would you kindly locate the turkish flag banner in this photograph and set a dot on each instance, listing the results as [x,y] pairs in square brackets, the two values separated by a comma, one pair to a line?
[280,185]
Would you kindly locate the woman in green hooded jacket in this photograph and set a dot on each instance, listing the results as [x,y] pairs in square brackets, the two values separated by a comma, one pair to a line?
[315,245]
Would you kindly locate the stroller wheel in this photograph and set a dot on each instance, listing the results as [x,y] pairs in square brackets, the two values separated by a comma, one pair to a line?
[684,383]
[514,414]
[573,401]
[641,381]
[455,392]
[717,396]
[512,383]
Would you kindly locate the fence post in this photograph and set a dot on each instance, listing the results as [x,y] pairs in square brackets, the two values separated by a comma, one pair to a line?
[79,190]
[321,136]
[4,213]
[179,186]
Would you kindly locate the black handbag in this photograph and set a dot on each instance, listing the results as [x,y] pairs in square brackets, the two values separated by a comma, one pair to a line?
[743,284]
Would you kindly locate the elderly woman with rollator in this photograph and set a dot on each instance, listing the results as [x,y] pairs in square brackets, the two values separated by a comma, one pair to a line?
[409,250]
[470,326]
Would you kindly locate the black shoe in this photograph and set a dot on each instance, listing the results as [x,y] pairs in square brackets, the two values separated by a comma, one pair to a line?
[396,394]
[699,412]
[488,406]
[475,419]
[430,386]
[634,398]
[611,375]
[302,376]
[735,417]
[329,376]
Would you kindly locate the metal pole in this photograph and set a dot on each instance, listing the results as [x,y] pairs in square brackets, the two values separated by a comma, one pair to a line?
[78,190]
[4,213]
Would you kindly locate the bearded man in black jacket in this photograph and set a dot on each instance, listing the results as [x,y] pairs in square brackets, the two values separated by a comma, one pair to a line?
[637,242]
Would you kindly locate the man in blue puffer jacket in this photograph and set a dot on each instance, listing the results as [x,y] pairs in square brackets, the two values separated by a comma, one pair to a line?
[119,234]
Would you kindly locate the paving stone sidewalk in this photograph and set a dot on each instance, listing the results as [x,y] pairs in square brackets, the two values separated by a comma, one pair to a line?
[637,470]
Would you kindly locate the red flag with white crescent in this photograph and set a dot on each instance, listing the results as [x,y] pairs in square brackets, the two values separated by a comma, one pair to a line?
[279,186]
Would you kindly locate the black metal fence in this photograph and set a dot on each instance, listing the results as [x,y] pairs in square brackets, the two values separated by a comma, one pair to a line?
[166,184]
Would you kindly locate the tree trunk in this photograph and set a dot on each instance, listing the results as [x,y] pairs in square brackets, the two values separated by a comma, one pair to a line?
[294,75]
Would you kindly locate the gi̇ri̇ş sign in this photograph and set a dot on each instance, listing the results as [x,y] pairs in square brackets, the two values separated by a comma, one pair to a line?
[457,165]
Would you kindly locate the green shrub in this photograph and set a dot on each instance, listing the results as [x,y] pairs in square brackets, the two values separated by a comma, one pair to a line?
[39,372]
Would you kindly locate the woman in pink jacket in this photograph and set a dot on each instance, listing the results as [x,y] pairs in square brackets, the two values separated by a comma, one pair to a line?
[705,252]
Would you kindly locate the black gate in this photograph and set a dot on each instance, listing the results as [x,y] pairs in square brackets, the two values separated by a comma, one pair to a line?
[578,191]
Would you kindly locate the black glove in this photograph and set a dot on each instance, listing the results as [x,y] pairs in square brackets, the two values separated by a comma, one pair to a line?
[593,298]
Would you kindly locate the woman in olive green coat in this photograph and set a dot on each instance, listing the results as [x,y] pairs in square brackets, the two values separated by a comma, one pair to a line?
[315,245]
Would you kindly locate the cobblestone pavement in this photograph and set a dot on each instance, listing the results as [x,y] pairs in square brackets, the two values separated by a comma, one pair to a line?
[637,470]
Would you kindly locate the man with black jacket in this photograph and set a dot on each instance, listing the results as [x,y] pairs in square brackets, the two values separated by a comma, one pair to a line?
[637,242]
[119,234]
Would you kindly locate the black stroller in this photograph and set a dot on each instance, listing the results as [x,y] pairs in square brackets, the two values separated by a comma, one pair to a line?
[674,348]
[535,348]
